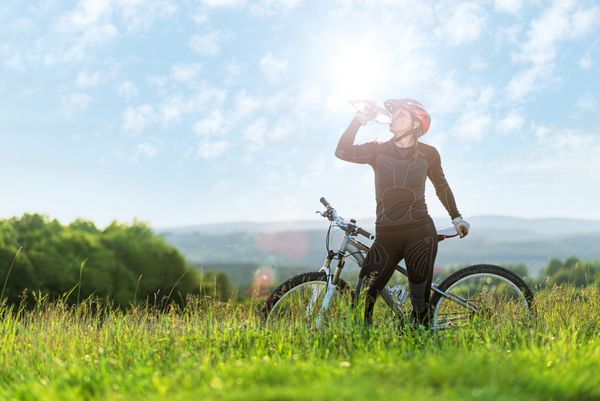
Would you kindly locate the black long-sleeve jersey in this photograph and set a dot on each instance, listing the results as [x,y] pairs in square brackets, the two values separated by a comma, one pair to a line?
[400,175]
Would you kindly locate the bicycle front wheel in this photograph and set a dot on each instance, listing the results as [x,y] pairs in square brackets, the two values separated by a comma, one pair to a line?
[302,302]
[481,293]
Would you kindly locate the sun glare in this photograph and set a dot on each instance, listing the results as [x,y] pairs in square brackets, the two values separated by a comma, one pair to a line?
[357,71]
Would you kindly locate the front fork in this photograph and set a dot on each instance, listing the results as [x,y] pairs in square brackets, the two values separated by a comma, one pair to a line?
[332,283]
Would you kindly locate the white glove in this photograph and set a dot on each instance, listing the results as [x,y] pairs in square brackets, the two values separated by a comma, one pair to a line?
[367,113]
[462,227]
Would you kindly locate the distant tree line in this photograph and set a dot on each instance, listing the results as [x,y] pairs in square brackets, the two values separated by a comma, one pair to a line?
[579,273]
[572,271]
[123,263]
[128,263]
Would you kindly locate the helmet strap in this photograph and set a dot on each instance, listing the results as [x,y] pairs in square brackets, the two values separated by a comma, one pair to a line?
[413,131]
[397,138]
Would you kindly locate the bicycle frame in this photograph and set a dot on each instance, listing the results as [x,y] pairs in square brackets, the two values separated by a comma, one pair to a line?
[355,249]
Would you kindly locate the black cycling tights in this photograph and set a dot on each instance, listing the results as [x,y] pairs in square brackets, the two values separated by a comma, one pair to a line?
[418,246]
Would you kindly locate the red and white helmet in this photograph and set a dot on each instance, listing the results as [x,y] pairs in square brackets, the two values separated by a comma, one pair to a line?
[415,108]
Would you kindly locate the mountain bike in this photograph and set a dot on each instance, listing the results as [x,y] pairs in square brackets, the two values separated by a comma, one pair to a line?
[480,292]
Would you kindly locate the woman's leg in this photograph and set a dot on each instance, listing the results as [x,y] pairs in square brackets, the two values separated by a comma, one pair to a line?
[380,264]
[421,250]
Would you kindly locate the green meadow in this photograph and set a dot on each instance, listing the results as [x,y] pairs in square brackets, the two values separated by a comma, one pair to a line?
[211,350]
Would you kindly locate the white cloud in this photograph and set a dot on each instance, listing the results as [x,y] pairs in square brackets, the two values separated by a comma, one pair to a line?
[411,72]
[176,106]
[245,105]
[200,18]
[140,14]
[472,125]
[472,105]
[185,72]
[561,21]
[585,63]
[136,14]
[509,37]
[223,3]
[213,123]
[173,108]
[511,123]
[220,120]
[15,62]
[272,67]
[128,90]
[207,44]
[145,150]
[234,69]
[92,24]
[73,102]
[584,21]
[208,149]
[271,7]
[554,25]
[137,119]
[450,96]
[587,103]
[509,6]
[77,45]
[485,96]
[478,64]
[564,155]
[460,22]
[526,81]
[88,13]
[307,97]
[88,79]
[255,7]
[258,133]
[541,132]
[72,35]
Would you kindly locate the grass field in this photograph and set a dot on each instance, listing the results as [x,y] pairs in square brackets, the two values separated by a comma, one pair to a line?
[214,351]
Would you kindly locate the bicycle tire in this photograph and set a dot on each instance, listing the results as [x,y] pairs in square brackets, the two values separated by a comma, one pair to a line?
[273,303]
[456,284]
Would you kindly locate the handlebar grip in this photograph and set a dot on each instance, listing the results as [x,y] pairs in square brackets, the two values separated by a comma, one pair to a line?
[325,203]
[365,233]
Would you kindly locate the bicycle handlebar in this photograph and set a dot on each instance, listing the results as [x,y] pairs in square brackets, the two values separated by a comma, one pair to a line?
[332,215]
[364,233]
[325,203]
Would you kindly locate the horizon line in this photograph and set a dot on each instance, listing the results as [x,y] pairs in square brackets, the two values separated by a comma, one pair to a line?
[590,220]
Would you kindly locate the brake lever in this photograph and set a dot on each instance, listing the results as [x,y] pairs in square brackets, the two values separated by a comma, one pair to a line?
[326,214]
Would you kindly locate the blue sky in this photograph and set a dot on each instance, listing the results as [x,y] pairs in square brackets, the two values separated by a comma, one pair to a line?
[203,111]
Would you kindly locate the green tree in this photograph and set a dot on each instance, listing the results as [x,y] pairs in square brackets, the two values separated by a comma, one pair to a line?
[85,261]
[554,266]
[572,271]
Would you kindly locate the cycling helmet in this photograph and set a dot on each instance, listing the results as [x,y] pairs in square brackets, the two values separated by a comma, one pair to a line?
[415,108]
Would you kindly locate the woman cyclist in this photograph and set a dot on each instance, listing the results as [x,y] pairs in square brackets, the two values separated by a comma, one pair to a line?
[404,229]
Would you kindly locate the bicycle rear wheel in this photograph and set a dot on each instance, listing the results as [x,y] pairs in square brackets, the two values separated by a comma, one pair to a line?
[481,293]
[299,302]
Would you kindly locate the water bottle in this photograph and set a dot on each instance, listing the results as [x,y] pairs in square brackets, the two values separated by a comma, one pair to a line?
[382,117]
[399,295]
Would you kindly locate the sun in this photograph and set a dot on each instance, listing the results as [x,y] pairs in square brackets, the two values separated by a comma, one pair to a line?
[358,70]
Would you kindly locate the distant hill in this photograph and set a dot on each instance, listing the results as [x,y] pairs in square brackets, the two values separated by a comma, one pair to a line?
[301,244]
[497,225]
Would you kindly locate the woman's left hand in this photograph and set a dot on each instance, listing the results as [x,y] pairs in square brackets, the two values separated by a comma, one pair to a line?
[461,226]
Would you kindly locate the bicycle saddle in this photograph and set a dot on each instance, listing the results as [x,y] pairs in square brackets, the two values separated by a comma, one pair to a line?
[447,233]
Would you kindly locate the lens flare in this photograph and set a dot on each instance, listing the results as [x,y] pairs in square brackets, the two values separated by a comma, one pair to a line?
[264,278]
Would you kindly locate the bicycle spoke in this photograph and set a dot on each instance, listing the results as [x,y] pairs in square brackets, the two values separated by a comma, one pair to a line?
[485,296]
[311,303]
[305,306]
